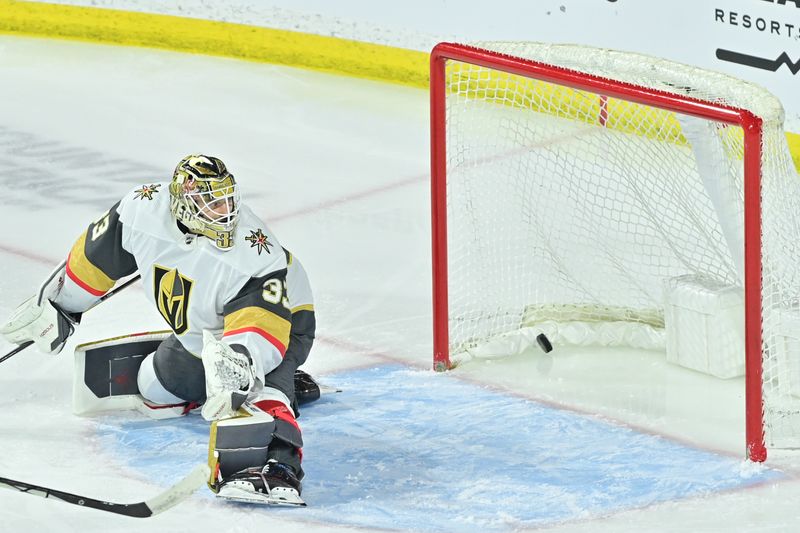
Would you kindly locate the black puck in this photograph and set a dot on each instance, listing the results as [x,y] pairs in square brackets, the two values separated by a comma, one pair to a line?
[544,343]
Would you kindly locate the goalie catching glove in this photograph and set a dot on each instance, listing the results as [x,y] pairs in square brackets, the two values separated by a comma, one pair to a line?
[45,324]
[230,377]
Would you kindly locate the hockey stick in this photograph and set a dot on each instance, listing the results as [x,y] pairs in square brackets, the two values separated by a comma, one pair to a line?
[158,504]
[103,298]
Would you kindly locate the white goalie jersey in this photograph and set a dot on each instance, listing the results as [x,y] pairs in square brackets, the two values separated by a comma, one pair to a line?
[239,294]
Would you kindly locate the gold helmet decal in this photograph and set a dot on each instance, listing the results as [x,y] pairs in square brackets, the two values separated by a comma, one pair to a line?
[172,290]
[204,197]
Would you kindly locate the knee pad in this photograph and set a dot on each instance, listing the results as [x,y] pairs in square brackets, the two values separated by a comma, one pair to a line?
[276,404]
[286,428]
[287,442]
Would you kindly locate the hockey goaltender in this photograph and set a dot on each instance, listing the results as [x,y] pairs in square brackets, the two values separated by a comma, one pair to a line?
[240,311]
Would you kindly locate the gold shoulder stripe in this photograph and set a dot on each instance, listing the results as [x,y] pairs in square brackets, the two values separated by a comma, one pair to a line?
[306,307]
[84,273]
[261,319]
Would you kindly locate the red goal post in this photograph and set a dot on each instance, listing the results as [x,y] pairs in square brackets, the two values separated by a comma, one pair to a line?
[606,87]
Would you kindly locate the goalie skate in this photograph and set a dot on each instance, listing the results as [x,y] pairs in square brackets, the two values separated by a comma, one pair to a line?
[275,484]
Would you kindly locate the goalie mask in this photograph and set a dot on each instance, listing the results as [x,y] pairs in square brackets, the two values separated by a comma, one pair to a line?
[204,197]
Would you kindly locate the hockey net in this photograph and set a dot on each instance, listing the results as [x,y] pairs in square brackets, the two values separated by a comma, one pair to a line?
[571,186]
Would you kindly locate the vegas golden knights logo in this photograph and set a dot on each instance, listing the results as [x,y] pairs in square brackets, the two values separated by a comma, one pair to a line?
[172,291]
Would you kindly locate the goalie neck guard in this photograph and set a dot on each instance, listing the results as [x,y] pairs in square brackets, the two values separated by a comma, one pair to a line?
[204,197]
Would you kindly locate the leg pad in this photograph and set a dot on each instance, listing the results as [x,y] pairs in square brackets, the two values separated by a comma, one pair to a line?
[105,372]
[238,443]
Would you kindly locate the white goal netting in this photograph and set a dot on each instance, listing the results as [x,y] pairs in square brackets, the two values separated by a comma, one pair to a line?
[565,208]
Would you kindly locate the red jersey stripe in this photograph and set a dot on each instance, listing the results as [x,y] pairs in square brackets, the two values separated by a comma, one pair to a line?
[80,283]
[258,331]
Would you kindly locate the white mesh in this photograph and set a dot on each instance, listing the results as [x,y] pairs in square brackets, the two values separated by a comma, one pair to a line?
[218,209]
[563,207]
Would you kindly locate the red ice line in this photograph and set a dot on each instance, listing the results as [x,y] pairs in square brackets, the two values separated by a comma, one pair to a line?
[327,204]
[10,250]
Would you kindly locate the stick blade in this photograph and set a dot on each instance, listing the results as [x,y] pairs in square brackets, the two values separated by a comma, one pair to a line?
[179,491]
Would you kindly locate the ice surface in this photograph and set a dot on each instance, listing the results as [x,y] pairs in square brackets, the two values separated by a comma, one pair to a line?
[381,454]
[338,167]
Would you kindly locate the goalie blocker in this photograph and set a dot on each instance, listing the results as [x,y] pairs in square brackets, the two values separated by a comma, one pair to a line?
[105,377]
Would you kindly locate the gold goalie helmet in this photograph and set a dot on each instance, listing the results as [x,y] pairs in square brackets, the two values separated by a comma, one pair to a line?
[204,197]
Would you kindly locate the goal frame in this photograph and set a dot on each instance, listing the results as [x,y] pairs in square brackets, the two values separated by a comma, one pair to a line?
[752,127]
